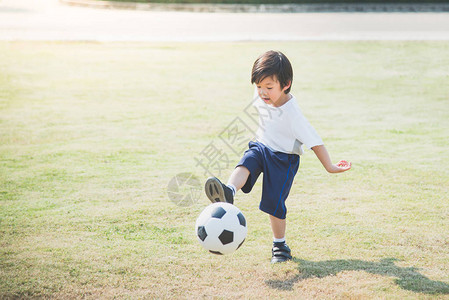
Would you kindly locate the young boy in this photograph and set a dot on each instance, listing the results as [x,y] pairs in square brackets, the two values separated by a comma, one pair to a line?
[277,149]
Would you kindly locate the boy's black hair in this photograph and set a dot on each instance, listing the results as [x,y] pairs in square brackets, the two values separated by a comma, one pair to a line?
[273,63]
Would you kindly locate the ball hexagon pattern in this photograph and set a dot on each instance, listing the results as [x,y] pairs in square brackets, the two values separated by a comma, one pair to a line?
[221,228]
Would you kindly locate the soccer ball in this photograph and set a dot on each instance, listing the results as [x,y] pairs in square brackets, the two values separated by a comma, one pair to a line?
[221,228]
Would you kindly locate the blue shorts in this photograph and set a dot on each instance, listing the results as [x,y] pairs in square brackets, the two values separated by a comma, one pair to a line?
[279,170]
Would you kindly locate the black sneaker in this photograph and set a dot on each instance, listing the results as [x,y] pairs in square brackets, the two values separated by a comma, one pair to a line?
[280,253]
[217,191]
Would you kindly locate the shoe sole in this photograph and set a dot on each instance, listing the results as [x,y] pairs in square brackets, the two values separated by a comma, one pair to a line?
[214,190]
[279,260]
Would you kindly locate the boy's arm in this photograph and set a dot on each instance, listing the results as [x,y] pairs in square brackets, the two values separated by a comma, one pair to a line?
[323,156]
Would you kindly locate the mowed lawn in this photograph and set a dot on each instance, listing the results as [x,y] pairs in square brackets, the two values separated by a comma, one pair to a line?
[91,134]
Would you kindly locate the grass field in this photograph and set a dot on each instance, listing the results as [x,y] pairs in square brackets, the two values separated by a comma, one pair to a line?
[91,135]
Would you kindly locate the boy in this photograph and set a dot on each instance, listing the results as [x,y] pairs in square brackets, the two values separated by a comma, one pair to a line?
[277,149]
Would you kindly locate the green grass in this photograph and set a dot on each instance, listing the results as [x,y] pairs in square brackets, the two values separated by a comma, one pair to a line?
[91,135]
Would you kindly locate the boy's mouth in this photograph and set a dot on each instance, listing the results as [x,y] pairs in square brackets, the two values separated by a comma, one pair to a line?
[266,99]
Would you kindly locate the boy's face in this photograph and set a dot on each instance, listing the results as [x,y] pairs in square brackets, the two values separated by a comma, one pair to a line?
[270,91]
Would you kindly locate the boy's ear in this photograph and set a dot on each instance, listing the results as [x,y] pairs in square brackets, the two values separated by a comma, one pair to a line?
[287,86]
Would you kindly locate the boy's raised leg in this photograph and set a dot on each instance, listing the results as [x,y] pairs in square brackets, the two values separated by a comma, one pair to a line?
[238,177]
[216,191]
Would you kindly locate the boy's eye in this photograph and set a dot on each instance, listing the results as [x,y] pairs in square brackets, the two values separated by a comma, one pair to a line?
[269,88]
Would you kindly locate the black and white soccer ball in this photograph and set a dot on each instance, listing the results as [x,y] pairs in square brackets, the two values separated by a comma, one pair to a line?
[221,228]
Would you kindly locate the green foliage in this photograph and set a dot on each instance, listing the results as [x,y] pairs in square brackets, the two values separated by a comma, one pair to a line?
[92,133]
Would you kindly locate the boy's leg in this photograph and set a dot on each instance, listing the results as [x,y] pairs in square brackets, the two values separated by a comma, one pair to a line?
[239,177]
[278,227]
[280,252]
[243,177]
[216,191]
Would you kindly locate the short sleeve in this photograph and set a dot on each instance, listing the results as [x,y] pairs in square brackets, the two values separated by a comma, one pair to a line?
[303,131]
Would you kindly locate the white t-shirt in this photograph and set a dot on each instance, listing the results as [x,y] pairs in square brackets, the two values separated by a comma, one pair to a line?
[284,129]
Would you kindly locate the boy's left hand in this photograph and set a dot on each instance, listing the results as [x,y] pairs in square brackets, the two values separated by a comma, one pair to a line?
[323,156]
[343,165]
